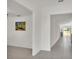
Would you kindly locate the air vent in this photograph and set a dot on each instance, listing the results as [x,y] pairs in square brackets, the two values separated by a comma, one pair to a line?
[60,0]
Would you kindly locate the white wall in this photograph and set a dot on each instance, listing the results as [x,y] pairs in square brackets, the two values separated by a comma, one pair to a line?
[46,12]
[56,21]
[41,21]
[36,31]
[19,38]
[45,30]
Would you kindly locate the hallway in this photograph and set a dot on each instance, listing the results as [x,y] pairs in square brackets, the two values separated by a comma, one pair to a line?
[61,50]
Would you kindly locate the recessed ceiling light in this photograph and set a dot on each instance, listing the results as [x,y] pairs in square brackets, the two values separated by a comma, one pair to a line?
[60,0]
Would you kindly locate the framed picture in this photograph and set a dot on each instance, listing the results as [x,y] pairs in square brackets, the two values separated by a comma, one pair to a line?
[20,26]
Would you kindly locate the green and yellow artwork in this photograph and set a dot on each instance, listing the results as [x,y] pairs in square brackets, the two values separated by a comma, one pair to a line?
[20,26]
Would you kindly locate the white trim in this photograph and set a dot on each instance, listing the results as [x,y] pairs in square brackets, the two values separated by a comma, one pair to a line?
[35,53]
[19,46]
[55,41]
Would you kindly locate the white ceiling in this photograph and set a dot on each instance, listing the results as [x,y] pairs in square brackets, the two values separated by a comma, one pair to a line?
[39,3]
[14,9]
[44,2]
[21,6]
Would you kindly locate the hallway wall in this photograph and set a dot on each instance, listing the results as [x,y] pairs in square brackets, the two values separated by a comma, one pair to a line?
[19,38]
[55,31]
[56,20]
[36,32]
[45,31]
[46,12]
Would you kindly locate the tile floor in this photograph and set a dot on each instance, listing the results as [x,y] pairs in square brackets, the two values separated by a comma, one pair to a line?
[61,50]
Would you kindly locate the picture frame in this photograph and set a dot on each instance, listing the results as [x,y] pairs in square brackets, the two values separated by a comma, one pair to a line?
[20,26]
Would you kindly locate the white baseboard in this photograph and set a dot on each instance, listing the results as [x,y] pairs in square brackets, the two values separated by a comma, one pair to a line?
[19,46]
[55,41]
[34,53]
